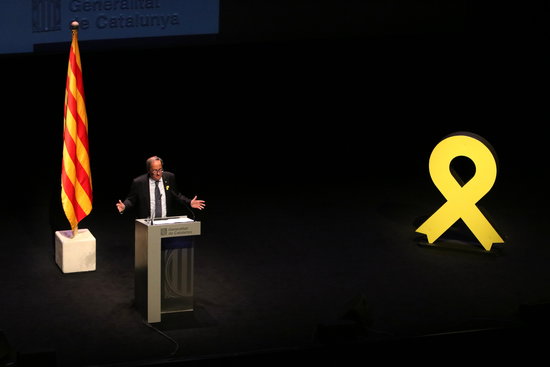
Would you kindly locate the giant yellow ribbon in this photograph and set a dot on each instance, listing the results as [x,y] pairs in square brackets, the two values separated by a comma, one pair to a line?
[461,200]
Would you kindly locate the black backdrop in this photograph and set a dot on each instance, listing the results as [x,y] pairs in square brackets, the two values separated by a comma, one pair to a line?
[288,91]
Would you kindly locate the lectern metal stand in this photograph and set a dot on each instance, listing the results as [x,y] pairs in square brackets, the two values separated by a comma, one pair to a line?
[164,266]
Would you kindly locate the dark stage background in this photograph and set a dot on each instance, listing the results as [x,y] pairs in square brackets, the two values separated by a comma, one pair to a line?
[307,128]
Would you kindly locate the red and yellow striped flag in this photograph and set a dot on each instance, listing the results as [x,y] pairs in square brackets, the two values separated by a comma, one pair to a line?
[76,177]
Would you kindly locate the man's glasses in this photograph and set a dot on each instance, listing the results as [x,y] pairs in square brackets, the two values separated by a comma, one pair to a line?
[156,171]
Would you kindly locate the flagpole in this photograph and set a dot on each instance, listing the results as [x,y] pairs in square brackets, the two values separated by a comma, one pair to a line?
[74,30]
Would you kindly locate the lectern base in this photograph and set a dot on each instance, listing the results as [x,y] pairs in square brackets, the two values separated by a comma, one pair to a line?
[76,254]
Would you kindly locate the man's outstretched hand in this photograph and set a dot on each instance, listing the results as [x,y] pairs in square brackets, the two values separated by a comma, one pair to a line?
[197,204]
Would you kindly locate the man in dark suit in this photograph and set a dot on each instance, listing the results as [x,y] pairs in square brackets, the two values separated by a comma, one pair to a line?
[155,194]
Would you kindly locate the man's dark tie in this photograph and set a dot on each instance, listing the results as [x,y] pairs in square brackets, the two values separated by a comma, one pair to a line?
[158,205]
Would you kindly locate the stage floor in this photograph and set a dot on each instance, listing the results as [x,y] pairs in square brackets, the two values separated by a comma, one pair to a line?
[324,273]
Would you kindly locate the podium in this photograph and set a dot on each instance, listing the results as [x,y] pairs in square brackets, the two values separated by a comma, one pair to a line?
[164,265]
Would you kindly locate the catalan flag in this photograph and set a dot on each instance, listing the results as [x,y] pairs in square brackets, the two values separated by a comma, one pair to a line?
[76,178]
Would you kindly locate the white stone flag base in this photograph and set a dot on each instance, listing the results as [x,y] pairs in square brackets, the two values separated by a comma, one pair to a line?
[76,254]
